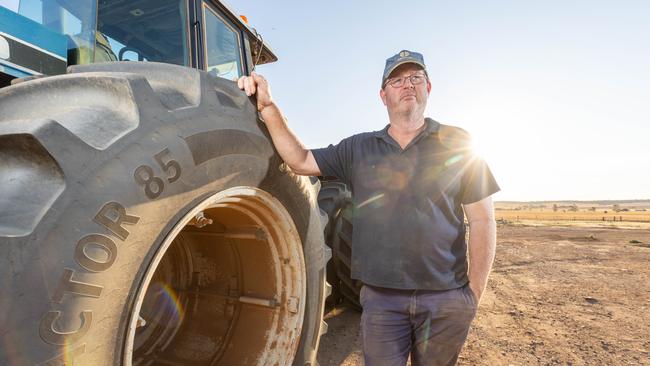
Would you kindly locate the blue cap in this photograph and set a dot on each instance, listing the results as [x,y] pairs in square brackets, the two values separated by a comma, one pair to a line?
[401,58]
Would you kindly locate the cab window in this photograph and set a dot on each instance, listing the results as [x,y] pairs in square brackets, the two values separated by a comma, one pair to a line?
[223,56]
[142,30]
[76,19]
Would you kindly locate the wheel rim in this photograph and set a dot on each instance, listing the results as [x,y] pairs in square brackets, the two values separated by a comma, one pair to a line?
[232,291]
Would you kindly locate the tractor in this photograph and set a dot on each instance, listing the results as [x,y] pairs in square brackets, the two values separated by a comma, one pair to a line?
[145,216]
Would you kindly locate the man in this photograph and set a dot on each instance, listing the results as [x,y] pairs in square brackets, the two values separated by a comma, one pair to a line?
[412,185]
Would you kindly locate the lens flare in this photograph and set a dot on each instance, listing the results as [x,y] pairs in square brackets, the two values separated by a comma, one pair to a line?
[162,306]
[454,159]
[370,200]
[169,302]
[70,352]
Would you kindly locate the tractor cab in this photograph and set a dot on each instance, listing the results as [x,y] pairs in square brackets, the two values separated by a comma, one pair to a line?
[43,37]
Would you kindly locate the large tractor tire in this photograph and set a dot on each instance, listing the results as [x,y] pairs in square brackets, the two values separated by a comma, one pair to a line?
[146,219]
[336,200]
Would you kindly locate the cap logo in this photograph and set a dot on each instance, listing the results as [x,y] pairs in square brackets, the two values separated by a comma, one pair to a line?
[404,54]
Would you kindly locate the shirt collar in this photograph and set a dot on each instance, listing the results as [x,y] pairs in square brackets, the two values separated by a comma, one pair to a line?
[432,127]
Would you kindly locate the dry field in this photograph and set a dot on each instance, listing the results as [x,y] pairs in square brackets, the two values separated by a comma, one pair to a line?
[577,294]
[550,215]
[603,211]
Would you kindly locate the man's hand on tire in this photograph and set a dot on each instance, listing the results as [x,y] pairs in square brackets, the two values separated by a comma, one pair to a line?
[257,84]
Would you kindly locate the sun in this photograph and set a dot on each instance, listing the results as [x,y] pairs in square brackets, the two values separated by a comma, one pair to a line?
[482,146]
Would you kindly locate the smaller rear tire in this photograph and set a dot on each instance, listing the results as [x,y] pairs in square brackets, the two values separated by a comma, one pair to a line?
[336,199]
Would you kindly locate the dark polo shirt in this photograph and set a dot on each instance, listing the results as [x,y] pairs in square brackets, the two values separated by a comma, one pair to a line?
[409,230]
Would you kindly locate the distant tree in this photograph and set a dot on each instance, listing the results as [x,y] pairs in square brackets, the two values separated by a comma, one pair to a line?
[592,209]
[555,207]
[616,207]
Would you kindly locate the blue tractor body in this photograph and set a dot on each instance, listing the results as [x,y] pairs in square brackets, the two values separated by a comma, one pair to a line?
[28,48]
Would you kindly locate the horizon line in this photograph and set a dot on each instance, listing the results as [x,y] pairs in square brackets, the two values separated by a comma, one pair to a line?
[641,200]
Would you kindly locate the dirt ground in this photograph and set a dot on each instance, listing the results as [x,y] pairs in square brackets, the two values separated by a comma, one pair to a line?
[557,296]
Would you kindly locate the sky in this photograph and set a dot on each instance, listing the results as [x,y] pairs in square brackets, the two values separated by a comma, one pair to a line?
[556,94]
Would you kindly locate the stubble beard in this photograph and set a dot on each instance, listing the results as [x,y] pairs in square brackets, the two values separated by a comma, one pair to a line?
[410,113]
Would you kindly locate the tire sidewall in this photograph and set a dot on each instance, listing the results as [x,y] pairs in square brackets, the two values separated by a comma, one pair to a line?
[53,245]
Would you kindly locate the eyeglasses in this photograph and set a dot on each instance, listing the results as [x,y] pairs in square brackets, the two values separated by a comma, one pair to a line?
[415,79]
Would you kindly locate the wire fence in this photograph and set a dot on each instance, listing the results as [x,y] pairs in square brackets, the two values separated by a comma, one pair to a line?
[602,218]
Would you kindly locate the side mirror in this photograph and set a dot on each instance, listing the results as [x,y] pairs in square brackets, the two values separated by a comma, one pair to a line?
[130,54]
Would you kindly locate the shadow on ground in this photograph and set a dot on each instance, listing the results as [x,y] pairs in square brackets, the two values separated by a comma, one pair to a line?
[342,343]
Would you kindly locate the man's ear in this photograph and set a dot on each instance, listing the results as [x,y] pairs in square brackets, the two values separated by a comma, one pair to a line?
[382,95]
[428,86]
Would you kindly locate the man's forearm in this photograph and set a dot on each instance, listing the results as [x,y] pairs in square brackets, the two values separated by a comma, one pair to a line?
[482,248]
[292,151]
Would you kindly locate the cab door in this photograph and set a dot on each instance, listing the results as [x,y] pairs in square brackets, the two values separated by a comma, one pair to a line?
[222,44]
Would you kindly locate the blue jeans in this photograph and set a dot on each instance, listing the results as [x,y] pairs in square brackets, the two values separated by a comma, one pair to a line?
[431,326]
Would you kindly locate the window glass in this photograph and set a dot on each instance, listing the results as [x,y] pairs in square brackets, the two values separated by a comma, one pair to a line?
[146,30]
[73,18]
[10,5]
[223,55]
